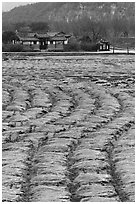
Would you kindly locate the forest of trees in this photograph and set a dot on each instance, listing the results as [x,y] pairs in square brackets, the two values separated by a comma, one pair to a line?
[109,29]
[109,21]
[97,20]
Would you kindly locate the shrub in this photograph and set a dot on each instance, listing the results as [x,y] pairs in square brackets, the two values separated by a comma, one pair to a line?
[8,36]
[72,47]
[12,48]
[125,42]
[88,47]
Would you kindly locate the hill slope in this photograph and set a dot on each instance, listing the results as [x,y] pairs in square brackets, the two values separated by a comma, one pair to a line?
[68,11]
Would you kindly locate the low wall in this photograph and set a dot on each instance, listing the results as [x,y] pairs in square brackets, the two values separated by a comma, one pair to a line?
[117,52]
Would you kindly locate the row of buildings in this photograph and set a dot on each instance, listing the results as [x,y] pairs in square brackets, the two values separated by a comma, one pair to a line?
[50,41]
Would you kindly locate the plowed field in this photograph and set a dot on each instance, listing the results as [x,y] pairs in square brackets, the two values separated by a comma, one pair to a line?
[68,129]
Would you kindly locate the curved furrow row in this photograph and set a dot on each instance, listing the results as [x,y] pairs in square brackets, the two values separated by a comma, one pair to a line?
[33,139]
[79,167]
[123,159]
[68,136]
[60,144]
[89,164]
[53,176]
[34,111]
[13,157]
[5,99]
[15,137]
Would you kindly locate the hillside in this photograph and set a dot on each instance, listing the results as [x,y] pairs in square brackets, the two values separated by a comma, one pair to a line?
[58,11]
[97,20]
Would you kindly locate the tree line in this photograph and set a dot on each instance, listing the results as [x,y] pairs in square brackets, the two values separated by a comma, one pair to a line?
[109,29]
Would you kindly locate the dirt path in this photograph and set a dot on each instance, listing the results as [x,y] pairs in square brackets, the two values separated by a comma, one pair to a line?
[68,129]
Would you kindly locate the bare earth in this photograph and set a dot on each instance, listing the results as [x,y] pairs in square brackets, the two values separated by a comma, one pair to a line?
[68,129]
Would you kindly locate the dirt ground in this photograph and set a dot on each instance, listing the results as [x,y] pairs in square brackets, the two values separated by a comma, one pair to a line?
[68,129]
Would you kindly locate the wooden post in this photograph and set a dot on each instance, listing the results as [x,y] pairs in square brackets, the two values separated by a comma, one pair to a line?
[113,50]
[109,47]
[127,50]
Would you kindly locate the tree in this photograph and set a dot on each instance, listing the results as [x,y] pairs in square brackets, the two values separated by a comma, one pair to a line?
[8,36]
[6,26]
[20,25]
[39,26]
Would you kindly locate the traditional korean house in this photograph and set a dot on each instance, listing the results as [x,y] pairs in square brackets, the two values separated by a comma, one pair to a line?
[50,41]
[28,41]
[57,42]
[43,40]
[103,45]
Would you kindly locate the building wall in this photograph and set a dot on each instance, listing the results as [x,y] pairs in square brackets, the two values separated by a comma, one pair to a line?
[104,47]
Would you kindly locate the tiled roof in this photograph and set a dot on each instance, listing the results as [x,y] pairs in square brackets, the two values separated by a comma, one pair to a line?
[28,39]
[68,35]
[45,35]
[52,34]
[26,35]
[103,41]
[21,35]
[58,38]
[31,34]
